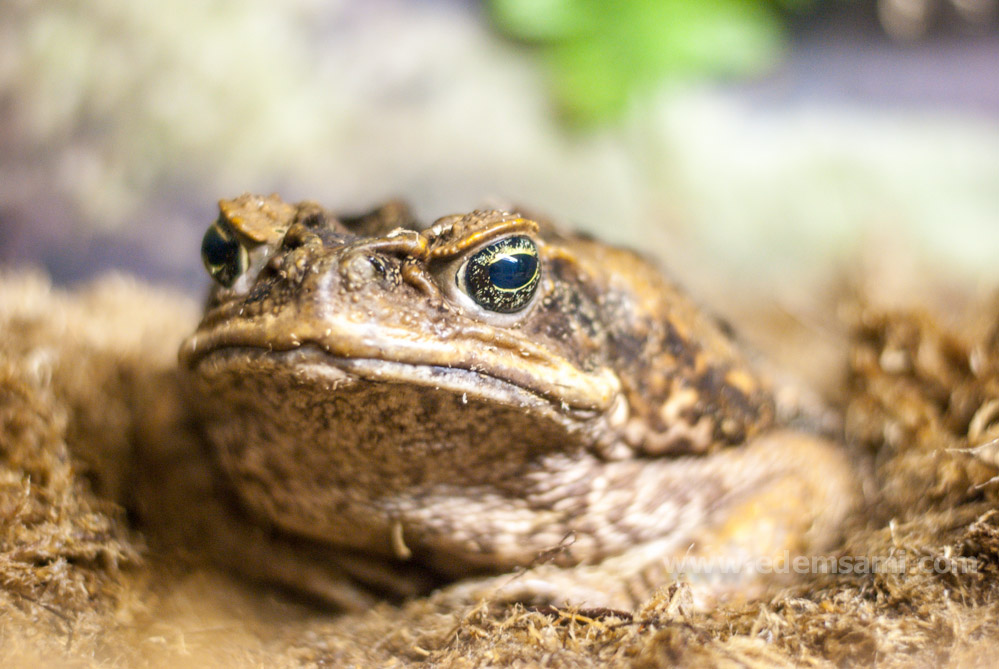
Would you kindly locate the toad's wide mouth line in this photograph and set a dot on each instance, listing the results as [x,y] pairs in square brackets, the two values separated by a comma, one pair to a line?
[313,362]
[531,363]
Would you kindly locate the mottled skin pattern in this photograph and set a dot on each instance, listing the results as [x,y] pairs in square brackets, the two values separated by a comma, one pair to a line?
[355,397]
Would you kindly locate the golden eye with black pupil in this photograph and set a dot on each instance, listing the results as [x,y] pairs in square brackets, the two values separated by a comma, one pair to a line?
[224,257]
[503,276]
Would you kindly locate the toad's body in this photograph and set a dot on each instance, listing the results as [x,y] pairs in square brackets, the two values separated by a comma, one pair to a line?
[429,405]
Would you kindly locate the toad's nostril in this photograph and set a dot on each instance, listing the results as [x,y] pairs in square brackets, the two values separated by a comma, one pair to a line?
[296,236]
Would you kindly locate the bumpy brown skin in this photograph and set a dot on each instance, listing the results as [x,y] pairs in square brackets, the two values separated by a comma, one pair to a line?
[356,397]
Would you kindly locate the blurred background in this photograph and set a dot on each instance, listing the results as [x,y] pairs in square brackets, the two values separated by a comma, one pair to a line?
[755,145]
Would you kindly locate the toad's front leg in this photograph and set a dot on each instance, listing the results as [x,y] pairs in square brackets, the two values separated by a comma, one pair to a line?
[734,517]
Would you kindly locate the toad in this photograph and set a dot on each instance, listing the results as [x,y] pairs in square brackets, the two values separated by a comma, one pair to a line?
[420,405]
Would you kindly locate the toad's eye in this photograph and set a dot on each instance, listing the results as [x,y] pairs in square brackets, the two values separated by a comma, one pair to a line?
[224,257]
[503,276]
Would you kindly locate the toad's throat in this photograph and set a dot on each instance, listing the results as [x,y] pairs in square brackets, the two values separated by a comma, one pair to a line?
[312,363]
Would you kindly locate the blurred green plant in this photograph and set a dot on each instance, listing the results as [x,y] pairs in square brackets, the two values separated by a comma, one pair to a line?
[602,53]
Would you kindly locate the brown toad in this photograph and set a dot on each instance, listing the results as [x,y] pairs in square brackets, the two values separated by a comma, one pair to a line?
[426,405]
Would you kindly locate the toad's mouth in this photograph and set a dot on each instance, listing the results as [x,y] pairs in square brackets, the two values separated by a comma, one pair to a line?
[490,368]
[311,364]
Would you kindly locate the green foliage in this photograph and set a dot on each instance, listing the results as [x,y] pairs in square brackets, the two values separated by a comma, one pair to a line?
[601,53]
